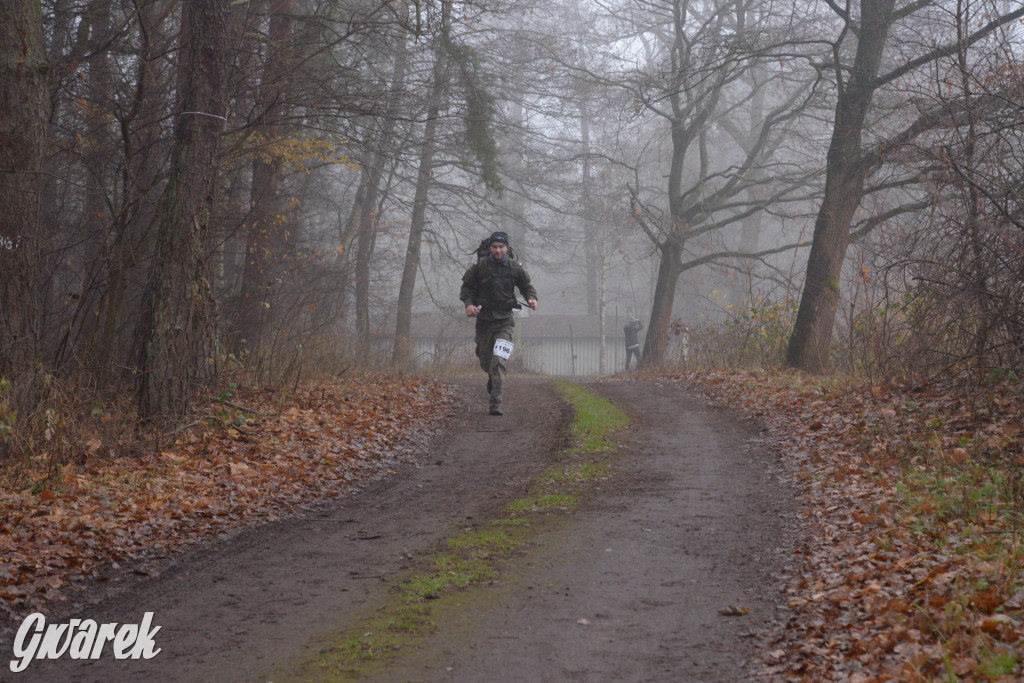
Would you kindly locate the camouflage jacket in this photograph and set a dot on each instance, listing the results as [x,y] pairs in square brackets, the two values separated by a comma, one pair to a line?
[492,284]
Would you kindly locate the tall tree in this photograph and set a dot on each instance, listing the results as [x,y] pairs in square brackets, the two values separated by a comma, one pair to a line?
[143,149]
[264,229]
[469,80]
[849,163]
[175,333]
[372,193]
[401,356]
[700,81]
[24,111]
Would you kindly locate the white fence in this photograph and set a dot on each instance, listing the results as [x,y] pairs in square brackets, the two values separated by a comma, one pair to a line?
[574,356]
[558,356]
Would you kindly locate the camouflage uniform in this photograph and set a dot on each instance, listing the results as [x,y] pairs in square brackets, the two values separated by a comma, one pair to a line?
[492,284]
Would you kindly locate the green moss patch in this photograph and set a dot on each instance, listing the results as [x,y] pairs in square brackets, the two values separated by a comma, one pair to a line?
[475,557]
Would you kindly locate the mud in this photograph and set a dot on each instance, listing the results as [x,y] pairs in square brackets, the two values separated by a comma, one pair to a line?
[629,586]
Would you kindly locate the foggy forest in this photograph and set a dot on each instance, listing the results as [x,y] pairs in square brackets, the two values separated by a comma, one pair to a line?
[193,189]
[211,210]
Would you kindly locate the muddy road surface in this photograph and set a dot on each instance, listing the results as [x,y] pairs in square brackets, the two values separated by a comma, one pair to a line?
[630,585]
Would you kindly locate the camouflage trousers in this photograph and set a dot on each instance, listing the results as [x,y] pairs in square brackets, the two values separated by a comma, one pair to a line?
[487,332]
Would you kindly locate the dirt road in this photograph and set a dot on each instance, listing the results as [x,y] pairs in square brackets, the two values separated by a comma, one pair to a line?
[629,586]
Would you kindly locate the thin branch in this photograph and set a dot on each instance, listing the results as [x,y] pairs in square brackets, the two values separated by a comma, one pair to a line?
[948,50]
[718,255]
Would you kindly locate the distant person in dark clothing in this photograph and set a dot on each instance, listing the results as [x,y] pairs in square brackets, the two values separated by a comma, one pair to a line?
[632,332]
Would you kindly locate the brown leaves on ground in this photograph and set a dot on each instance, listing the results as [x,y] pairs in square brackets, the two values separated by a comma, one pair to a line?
[254,458]
[910,567]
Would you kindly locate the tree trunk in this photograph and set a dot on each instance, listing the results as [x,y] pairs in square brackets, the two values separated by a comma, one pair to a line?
[100,236]
[812,333]
[602,308]
[846,173]
[366,238]
[682,133]
[659,329]
[750,227]
[671,246]
[24,111]
[175,337]
[401,356]
[264,229]
[590,237]
[348,231]
[369,217]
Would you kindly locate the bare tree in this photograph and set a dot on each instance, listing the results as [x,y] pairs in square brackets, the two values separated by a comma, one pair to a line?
[401,356]
[458,78]
[131,142]
[703,78]
[966,267]
[849,162]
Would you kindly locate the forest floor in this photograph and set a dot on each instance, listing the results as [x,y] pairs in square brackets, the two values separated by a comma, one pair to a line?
[831,533]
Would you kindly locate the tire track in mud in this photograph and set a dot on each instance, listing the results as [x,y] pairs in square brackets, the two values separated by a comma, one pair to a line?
[233,610]
[631,585]
[626,587]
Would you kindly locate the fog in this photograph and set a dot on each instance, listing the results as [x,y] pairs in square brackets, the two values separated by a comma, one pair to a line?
[756,182]
[586,101]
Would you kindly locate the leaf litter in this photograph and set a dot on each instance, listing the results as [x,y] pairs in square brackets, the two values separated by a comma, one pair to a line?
[909,565]
[256,459]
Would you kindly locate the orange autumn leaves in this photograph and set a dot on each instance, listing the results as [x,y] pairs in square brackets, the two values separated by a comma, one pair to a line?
[258,456]
[909,564]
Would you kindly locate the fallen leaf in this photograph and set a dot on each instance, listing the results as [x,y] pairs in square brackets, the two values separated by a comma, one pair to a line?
[1016,602]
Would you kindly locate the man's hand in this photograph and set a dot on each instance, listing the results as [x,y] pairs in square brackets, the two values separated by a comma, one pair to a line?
[532,303]
[472,310]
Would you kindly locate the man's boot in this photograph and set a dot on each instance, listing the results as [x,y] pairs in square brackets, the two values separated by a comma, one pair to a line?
[495,408]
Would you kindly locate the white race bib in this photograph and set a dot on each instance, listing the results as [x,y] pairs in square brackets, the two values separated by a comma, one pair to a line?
[503,348]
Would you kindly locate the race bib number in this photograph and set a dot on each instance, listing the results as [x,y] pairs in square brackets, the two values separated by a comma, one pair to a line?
[503,348]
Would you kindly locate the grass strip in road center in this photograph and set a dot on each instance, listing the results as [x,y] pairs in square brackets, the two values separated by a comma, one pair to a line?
[595,419]
[472,558]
